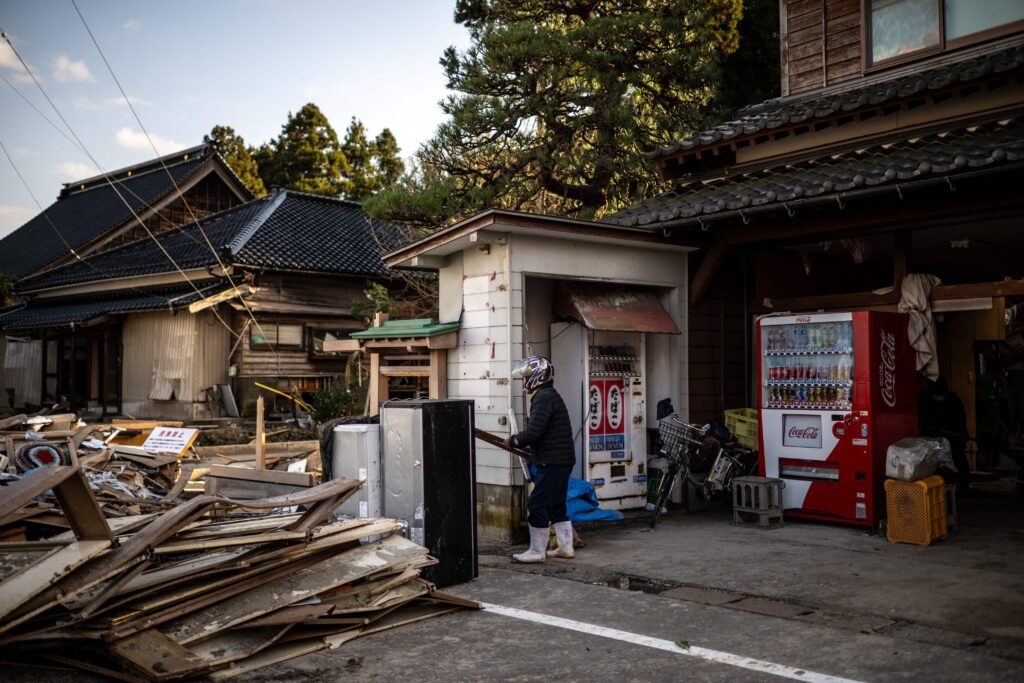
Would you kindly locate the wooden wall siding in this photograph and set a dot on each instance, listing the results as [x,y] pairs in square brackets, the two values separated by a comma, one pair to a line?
[184,352]
[208,196]
[820,43]
[718,330]
[335,291]
[21,372]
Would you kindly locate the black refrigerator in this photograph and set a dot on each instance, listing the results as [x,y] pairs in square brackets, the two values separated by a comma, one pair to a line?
[429,481]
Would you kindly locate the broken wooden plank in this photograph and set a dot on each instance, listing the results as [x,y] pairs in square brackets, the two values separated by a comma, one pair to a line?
[333,571]
[272,476]
[273,449]
[144,424]
[236,644]
[226,542]
[13,421]
[157,656]
[292,614]
[31,580]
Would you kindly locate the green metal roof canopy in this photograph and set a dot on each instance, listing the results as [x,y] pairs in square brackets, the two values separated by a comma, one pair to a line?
[404,329]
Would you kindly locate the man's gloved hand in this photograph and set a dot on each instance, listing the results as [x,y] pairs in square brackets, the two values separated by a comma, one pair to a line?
[508,442]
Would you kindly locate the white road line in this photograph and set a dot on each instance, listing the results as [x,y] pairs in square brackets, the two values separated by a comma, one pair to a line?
[668,645]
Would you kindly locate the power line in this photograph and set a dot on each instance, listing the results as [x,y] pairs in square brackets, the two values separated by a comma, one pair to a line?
[181,195]
[99,167]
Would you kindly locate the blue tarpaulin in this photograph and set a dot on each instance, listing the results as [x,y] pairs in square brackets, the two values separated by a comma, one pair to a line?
[581,502]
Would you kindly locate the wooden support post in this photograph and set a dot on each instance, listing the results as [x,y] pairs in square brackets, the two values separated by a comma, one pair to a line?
[260,437]
[438,385]
[706,271]
[375,378]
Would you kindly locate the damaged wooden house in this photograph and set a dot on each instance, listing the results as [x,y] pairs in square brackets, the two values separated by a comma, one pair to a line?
[157,325]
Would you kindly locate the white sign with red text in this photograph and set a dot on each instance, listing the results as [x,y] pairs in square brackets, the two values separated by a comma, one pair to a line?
[801,431]
[170,440]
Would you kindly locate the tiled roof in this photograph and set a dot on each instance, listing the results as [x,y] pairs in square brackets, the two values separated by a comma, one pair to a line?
[81,215]
[285,230]
[778,113]
[901,162]
[74,311]
[313,233]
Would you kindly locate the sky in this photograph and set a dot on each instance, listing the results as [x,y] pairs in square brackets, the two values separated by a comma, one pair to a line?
[188,65]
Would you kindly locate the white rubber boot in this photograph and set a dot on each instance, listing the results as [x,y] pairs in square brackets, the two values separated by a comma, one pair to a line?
[563,532]
[538,545]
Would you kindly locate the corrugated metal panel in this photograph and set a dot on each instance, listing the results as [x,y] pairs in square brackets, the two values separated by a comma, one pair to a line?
[23,370]
[616,307]
[172,356]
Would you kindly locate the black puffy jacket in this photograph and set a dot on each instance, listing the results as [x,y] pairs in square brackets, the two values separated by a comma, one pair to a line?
[549,431]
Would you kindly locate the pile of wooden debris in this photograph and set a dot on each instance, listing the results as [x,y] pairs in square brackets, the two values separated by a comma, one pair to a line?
[160,585]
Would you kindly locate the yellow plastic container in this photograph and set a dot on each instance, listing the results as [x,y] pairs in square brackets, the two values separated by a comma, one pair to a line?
[916,510]
[742,422]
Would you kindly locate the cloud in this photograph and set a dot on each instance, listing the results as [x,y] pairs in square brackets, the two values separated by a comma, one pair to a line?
[132,25]
[65,70]
[132,139]
[14,217]
[89,104]
[75,170]
[9,62]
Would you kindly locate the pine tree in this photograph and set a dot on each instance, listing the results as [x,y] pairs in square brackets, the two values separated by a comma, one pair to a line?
[387,159]
[558,101]
[306,156]
[232,149]
[360,181]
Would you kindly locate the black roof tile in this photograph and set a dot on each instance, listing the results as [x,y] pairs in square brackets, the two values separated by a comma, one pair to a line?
[782,112]
[81,215]
[285,230]
[79,310]
[906,161]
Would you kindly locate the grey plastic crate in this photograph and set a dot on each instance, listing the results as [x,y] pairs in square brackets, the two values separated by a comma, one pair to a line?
[757,501]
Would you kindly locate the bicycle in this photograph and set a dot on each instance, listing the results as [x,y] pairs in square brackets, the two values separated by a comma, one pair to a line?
[679,441]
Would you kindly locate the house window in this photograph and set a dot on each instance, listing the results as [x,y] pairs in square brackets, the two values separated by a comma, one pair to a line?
[282,335]
[317,339]
[898,30]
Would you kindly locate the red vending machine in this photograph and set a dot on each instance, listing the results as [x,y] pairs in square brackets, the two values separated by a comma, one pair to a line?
[836,390]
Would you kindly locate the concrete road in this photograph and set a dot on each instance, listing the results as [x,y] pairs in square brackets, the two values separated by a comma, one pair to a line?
[807,602]
[484,646]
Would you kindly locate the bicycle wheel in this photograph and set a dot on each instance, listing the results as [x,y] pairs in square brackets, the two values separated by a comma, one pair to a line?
[667,483]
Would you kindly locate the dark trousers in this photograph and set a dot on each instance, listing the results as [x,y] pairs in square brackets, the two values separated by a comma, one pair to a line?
[547,502]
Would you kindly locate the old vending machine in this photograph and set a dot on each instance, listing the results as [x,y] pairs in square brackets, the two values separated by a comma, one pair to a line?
[600,376]
[836,389]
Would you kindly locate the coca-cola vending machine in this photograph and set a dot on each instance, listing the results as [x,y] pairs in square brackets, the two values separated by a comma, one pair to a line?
[836,389]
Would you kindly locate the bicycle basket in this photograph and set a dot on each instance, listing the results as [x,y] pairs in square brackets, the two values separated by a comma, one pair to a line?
[676,435]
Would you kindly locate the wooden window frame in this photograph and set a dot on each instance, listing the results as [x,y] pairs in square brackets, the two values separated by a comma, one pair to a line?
[943,46]
[311,349]
[276,345]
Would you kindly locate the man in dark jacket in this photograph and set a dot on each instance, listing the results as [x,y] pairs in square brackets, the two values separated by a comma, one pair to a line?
[549,434]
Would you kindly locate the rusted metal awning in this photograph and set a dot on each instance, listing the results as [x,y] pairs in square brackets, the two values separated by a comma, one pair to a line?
[622,308]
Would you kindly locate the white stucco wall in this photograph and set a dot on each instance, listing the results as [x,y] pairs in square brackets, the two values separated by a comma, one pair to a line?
[489,282]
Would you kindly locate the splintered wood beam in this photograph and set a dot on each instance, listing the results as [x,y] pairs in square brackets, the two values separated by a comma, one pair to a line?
[706,271]
[261,463]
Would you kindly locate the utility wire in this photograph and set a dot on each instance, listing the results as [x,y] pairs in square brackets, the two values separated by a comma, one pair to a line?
[96,163]
[60,235]
[192,213]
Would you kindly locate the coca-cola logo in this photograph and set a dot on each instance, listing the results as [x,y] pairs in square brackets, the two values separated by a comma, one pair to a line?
[887,367]
[807,433]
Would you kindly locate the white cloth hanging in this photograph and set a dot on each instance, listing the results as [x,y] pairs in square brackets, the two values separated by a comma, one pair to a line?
[915,299]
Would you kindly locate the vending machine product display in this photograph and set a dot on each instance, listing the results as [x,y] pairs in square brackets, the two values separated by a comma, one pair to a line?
[835,390]
[600,376]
